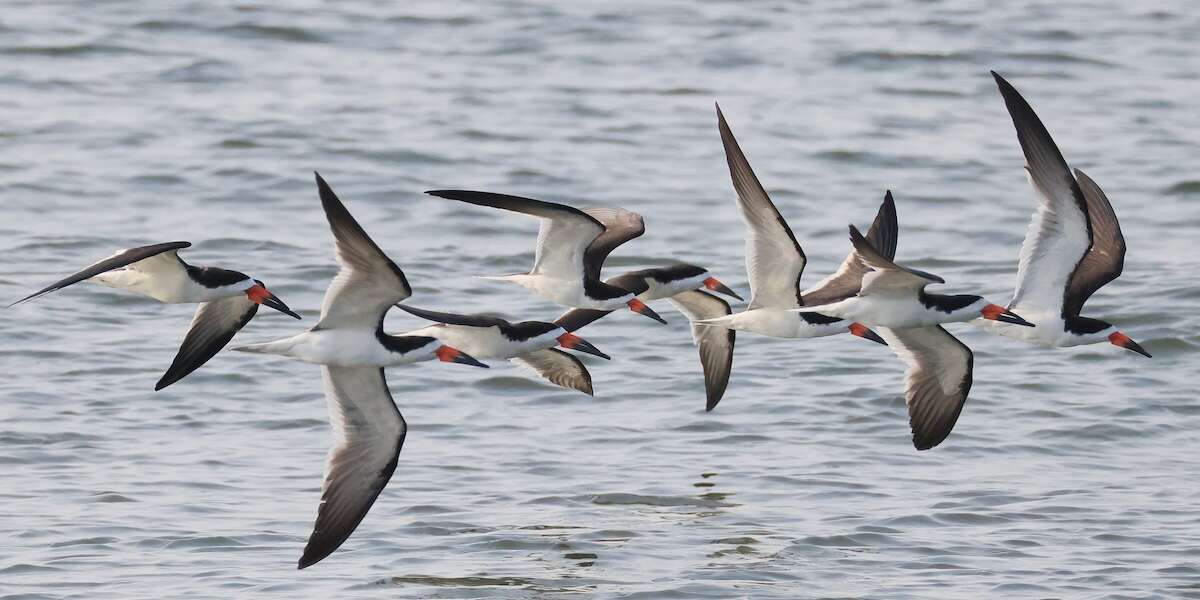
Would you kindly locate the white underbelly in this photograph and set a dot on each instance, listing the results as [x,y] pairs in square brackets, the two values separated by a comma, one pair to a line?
[778,323]
[347,348]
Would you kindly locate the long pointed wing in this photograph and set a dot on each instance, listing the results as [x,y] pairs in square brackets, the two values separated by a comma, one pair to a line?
[563,236]
[1058,235]
[579,317]
[937,382]
[885,274]
[620,226]
[847,280]
[214,324]
[368,435]
[455,319]
[774,259]
[368,282]
[558,367]
[715,343]
[1105,258]
[120,259]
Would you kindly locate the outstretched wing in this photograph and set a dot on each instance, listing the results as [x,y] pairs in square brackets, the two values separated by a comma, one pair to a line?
[563,236]
[455,319]
[847,280]
[368,434]
[937,382]
[774,259]
[715,343]
[368,282]
[214,324]
[122,258]
[1059,235]
[620,226]
[884,274]
[558,367]
[1105,258]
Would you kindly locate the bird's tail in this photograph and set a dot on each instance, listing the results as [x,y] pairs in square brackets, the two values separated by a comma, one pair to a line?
[282,347]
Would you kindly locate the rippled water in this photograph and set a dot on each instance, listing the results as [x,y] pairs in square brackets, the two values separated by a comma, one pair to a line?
[1072,473]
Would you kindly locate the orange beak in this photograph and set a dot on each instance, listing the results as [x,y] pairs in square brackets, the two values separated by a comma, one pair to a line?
[454,355]
[712,283]
[640,308]
[1123,341]
[259,294]
[574,342]
[995,312]
[864,332]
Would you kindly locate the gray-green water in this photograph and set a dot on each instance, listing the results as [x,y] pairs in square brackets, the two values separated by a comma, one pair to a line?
[1071,474]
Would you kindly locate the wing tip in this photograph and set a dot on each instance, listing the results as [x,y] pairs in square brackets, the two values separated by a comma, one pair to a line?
[311,557]
[711,404]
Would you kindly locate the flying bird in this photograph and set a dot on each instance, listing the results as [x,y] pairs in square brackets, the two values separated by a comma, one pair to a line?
[528,343]
[893,300]
[1073,246]
[227,299]
[775,262]
[353,350]
[680,285]
[560,272]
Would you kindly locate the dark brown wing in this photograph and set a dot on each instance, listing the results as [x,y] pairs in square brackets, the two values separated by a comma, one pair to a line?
[715,343]
[368,283]
[1104,259]
[620,226]
[368,435]
[847,280]
[774,259]
[455,319]
[116,261]
[558,367]
[939,377]
[215,323]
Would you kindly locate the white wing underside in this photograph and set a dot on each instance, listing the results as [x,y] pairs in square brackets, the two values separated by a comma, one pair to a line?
[1056,240]
[937,381]
[561,244]
[368,434]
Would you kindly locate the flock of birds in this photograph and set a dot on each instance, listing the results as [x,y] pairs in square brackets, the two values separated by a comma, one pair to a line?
[1072,248]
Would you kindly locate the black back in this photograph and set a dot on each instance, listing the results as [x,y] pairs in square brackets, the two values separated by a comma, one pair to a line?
[817,319]
[600,290]
[671,273]
[517,332]
[946,303]
[212,277]
[1085,325]
[402,344]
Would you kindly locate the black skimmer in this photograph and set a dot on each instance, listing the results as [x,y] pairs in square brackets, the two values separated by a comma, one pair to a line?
[894,302]
[775,262]
[227,299]
[679,284]
[528,343]
[560,271]
[1073,246]
[353,350]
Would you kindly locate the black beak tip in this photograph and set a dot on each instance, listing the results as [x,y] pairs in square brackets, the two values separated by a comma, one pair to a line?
[467,360]
[1014,319]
